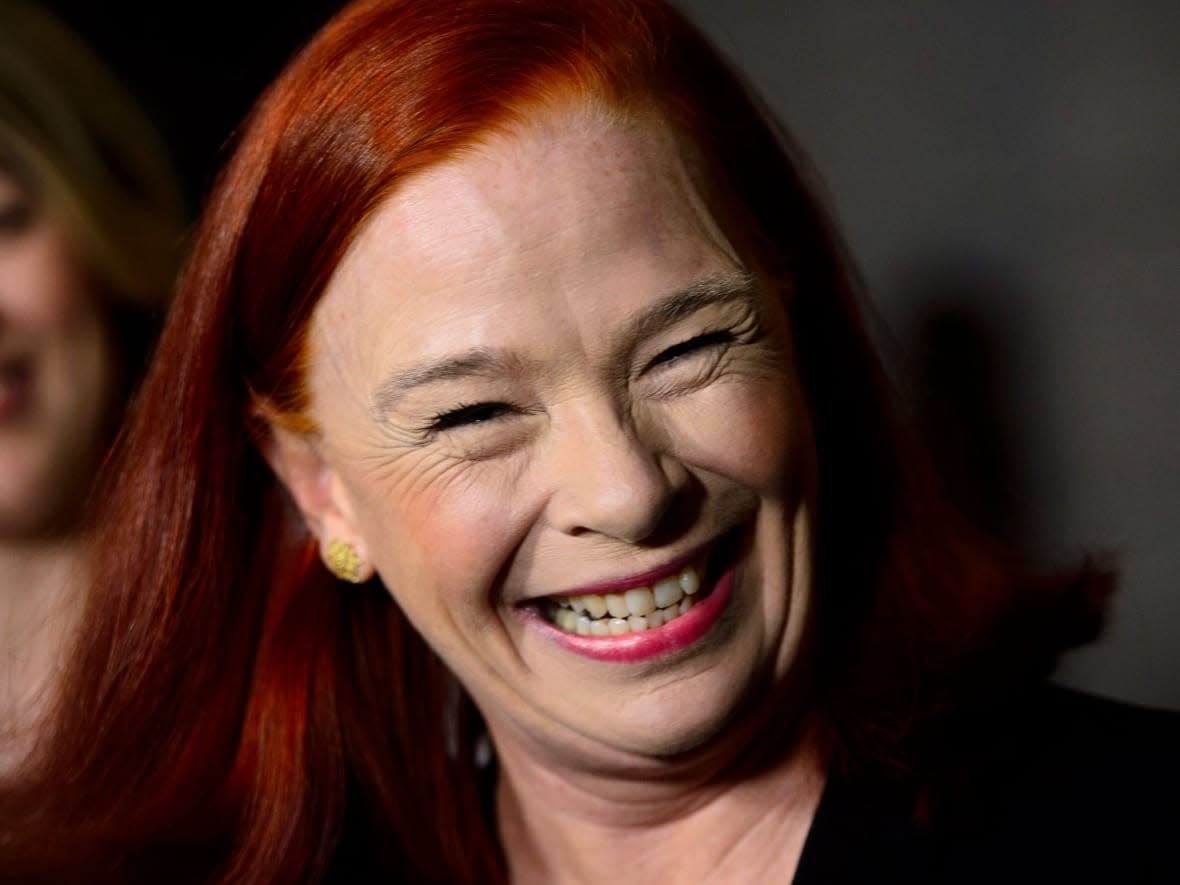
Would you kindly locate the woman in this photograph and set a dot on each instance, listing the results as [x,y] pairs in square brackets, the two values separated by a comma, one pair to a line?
[521,317]
[89,227]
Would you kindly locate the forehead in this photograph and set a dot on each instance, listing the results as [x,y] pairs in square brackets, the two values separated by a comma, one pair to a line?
[533,183]
[575,216]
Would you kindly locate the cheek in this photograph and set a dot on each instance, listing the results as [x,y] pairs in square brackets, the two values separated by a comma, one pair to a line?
[42,286]
[439,533]
[758,434]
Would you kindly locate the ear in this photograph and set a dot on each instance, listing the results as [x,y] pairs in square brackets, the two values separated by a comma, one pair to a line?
[299,463]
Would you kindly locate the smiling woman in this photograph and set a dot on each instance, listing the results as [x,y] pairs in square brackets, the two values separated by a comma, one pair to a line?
[589,392]
[520,315]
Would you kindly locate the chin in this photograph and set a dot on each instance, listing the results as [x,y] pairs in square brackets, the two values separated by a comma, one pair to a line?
[698,710]
[675,737]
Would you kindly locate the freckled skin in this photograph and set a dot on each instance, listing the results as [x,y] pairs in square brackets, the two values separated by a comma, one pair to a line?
[545,245]
[51,327]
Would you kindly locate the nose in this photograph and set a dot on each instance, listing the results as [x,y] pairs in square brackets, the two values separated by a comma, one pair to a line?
[607,480]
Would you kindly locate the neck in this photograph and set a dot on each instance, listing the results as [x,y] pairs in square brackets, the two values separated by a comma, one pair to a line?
[739,821]
[41,586]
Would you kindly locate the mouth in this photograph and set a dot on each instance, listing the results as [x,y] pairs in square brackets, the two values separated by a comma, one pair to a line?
[643,607]
[649,614]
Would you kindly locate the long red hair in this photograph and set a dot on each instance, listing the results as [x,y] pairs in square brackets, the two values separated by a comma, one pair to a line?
[234,714]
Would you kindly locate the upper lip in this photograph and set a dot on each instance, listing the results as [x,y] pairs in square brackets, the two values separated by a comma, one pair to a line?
[638,579]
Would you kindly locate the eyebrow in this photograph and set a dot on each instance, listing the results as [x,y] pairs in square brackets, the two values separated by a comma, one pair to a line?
[474,362]
[739,287]
[486,361]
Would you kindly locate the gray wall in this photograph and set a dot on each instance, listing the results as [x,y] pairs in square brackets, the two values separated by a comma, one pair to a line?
[1008,173]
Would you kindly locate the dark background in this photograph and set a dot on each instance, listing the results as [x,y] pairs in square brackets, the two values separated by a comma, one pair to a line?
[195,66]
[1008,173]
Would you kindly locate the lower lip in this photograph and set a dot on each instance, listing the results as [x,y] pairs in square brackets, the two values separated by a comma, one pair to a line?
[647,644]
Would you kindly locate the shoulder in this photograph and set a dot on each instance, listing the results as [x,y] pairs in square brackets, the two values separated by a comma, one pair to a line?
[1054,785]
[1063,743]
[1102,720]
[1045,785]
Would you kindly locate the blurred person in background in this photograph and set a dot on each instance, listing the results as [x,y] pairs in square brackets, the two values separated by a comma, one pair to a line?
[90,221]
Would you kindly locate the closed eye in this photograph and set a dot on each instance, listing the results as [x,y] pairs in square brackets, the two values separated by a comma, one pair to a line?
[719,338]
[15,217]
[469,415]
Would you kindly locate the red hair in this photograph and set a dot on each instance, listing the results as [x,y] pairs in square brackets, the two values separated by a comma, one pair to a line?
[234,714]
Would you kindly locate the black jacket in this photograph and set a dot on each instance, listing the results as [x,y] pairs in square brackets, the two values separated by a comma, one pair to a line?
[1049,787]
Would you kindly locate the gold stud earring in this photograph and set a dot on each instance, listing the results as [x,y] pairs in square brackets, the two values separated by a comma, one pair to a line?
[343,561]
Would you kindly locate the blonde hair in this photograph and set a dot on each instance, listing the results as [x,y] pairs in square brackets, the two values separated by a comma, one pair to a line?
[72,136]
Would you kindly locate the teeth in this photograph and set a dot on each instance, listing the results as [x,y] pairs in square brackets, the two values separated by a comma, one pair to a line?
[617,606]
[640,602]
[641,608]
[595,606]
[667,592]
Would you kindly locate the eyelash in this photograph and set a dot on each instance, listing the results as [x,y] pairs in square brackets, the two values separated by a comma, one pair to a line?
[471,414]
[467,415]
[717,338]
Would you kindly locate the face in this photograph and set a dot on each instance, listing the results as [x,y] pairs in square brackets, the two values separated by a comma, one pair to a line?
[558,415]
[55,368]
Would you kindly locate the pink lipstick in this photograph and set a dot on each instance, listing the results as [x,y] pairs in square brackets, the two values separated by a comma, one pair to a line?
[644,616]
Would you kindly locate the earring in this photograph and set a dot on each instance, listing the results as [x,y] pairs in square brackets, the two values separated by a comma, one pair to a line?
[343,561]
